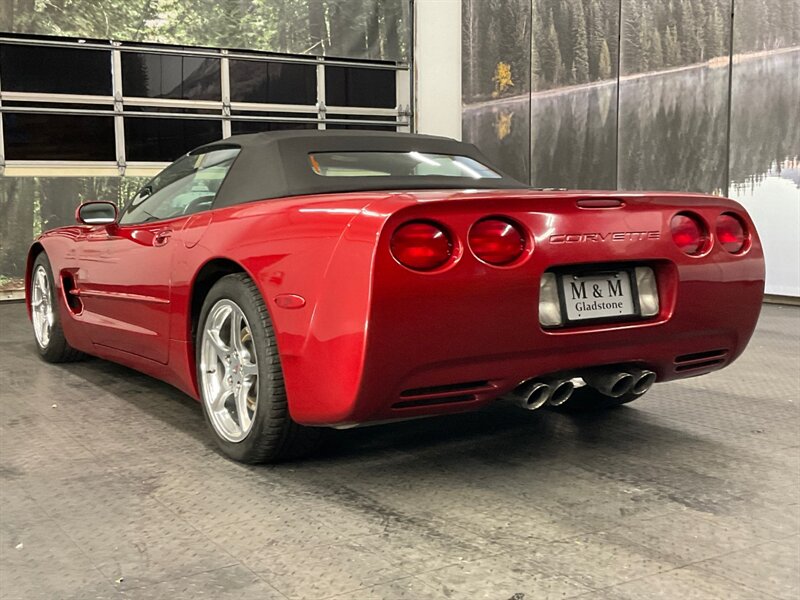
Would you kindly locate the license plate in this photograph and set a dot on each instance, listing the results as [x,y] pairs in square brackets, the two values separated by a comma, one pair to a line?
[598,295]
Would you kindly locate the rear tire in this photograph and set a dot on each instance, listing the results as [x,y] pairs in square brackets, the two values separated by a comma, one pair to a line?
[47,331]
[588,399]
[240,378]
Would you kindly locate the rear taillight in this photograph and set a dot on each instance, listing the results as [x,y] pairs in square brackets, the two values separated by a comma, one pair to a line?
[689,233]
[731,233]
[421,245]
[497,241]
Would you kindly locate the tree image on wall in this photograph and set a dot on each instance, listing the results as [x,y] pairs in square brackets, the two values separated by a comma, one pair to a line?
[31,205]
[370,29]
[572,42]
[569,121]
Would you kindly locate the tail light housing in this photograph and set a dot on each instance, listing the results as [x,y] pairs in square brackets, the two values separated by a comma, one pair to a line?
[421,245]
[689,233]
[731,233]
[497,241]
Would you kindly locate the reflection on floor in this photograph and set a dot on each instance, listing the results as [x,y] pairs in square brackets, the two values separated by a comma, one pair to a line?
[110,488]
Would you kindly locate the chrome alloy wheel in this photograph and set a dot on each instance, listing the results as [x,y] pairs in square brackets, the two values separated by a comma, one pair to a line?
[229,371]
[42,307]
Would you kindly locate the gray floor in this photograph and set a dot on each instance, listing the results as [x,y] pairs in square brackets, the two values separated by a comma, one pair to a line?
[110,488]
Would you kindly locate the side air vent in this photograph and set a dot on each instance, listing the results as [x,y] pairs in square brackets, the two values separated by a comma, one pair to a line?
[443,394]
[73,301]
[447,389]
[432,401]
[700,360]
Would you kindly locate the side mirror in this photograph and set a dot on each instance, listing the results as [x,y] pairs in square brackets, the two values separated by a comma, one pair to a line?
[96,213]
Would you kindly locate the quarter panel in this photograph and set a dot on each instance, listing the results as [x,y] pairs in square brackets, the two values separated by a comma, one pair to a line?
[301,246]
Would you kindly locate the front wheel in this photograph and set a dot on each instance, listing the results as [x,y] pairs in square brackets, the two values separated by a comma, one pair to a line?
[50,340]
[240,377]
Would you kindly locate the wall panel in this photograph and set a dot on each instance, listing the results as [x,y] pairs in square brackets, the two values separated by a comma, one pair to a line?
[673,119]
[765,143]
[496,81]
[574,94]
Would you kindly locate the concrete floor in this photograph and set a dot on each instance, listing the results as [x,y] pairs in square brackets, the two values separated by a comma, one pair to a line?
[110,487]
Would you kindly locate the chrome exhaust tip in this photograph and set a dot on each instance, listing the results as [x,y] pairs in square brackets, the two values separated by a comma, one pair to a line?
[561,392]
[531,394]
[643,381]
[611,383]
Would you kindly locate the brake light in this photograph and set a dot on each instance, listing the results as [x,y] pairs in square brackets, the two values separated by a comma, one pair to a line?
[731,233]
[497,241]
[689,233]
[421,245]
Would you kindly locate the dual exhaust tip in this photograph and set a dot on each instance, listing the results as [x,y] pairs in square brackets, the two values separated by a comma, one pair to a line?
[618,383]
[535,393]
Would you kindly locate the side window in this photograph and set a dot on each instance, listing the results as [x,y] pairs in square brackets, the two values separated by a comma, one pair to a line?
[187,186]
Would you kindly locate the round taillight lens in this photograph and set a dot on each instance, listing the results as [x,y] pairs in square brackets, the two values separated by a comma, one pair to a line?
[421,245]
[731,233]
[497,241]
[689,234]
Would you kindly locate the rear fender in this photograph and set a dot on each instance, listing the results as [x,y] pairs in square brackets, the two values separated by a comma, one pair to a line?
[319,254]
[324,367]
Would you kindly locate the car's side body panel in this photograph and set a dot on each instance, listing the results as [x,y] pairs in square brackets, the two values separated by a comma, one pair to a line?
[124,268]
[376,341]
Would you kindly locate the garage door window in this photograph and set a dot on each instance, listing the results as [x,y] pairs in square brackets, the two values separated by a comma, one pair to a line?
[114,106]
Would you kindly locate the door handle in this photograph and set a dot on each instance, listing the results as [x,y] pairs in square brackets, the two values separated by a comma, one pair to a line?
[162,237]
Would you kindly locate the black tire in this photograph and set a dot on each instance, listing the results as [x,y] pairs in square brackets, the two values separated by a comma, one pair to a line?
[274,436]
[588,399]
[56,349]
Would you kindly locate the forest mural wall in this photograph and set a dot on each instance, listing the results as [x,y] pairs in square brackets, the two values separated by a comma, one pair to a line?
[31,205]
[635,94]
[369,29]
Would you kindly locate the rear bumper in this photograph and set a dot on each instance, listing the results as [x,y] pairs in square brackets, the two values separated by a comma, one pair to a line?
[427,362]
[674,349]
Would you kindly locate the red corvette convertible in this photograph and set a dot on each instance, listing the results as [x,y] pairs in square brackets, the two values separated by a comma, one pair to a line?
[296,280]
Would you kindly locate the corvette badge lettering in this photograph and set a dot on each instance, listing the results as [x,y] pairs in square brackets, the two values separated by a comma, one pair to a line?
[613,236]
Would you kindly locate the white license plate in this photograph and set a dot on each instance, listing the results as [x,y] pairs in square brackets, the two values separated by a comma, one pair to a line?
[598,296]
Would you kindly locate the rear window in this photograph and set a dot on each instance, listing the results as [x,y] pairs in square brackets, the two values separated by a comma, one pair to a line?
[397,164]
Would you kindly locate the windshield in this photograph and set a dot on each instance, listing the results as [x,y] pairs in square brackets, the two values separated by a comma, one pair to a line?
[397,164]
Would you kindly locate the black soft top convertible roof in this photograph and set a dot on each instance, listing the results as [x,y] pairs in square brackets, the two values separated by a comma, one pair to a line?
[275,164]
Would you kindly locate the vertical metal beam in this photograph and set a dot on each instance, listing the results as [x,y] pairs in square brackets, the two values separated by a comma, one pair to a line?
[437,33]
[2,145]
[530,90]
[412,68]
[727,171]
[616,111]
[119,121]
[321,101]
[403,98]
[225,85]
